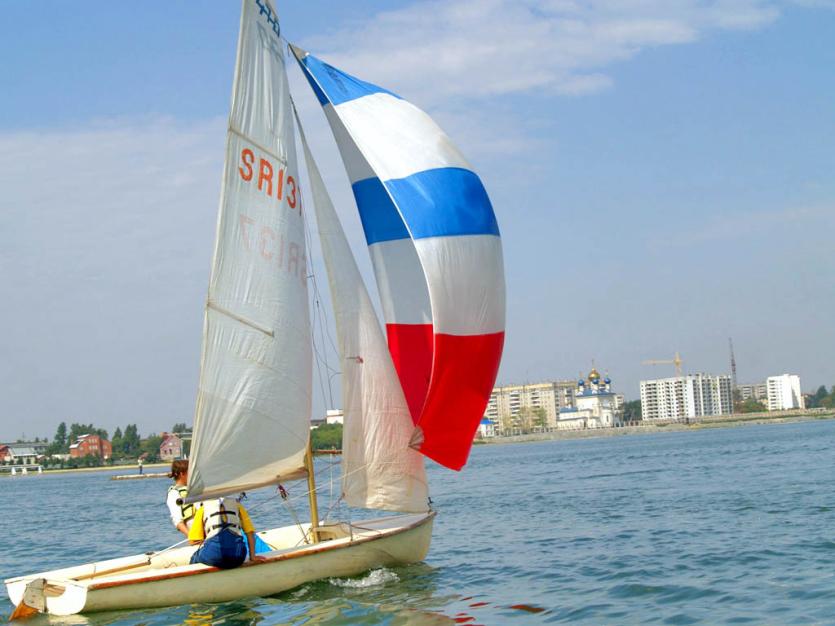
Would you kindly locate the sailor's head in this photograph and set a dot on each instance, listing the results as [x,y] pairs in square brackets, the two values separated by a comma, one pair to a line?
[179,469]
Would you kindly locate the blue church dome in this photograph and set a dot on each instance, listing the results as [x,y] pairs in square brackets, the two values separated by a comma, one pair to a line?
[608,381]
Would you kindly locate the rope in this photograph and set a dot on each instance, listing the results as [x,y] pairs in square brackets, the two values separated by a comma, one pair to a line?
[320,318]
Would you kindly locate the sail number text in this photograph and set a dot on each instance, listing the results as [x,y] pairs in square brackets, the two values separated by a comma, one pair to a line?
[269,179]
[271,247]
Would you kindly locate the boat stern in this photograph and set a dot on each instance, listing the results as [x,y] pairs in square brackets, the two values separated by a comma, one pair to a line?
[57,597]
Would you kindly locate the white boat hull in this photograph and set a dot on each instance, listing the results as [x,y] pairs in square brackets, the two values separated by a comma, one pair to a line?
[167,579]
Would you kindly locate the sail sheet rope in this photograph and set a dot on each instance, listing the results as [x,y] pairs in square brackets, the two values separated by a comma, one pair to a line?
[320,321]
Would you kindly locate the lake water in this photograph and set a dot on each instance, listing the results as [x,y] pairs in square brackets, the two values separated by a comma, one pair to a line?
[714,526]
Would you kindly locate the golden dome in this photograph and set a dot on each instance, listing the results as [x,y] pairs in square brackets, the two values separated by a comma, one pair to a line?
[594,374]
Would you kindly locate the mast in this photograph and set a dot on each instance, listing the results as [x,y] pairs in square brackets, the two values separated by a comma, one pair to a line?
[311,492]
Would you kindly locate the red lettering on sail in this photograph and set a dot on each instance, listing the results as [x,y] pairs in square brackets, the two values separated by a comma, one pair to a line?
[271,176]
[245,222]
[293,258]
[247,159]
[266,233]
[265,173]
[291,200]
[266,244]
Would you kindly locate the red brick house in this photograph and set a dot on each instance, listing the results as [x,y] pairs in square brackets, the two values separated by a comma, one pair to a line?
[91,444]
[171,447]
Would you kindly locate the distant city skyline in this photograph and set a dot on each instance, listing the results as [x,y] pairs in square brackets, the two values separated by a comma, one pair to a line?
[661,174]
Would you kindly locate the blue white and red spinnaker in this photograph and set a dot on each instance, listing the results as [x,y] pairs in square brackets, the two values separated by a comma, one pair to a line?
[436,251]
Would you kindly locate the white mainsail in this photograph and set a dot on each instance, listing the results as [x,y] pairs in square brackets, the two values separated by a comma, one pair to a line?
[379,469]
[251,423]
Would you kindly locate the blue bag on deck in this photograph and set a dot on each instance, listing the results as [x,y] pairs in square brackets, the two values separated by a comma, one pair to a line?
[261,546]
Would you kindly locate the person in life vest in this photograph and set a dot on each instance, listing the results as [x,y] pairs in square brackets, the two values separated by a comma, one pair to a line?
[220,525]
[182,515]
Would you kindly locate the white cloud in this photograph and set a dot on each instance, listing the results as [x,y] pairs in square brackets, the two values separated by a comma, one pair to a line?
[105,244]
[473,49]
[744,224]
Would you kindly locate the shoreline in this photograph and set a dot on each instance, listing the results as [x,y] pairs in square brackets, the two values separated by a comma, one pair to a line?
[101,468]
[732,421]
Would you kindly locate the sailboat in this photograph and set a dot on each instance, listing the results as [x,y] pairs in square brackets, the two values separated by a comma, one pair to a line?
[417,389]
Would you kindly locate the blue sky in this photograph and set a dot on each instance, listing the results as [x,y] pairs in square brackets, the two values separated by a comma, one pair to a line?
[662,172]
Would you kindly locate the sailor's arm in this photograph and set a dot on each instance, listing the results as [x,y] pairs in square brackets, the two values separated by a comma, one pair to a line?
[175,512]
[249,531]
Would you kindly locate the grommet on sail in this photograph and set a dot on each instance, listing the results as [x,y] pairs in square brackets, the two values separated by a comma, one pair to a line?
[436,251]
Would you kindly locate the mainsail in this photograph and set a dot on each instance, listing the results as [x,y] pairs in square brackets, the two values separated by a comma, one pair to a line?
[251,423]
[379,470]
[436,251]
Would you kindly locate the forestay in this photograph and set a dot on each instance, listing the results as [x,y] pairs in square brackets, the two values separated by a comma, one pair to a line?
[435,247]
[379,469]
[251,423]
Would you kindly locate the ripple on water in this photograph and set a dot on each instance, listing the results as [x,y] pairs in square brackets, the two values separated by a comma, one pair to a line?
[374,578]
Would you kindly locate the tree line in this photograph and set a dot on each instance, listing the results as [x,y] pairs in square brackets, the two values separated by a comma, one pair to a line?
[126,444]
[822,399]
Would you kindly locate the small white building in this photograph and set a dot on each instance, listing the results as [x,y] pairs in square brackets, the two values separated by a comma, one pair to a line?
[332,416]
[595,405]
[486,429]
[784,392]
[19,455]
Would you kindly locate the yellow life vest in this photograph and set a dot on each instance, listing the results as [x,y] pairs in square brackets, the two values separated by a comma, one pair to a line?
[220,513]
[186,510]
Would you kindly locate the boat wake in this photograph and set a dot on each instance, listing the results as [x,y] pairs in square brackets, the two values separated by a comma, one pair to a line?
[374,578]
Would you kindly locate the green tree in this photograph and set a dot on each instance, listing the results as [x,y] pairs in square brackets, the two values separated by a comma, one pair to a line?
[527,418]
[116,442]
[150,446]
[632,411]
[327,437]
[751,405]
[829,401]
[60,441]
[130,441]
[76,430]
[736,400]
[821,399]
[179,428]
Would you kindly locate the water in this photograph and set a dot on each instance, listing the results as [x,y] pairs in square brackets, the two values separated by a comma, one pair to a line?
[714,526]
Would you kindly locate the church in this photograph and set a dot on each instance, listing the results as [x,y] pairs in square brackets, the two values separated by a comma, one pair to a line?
[595,405]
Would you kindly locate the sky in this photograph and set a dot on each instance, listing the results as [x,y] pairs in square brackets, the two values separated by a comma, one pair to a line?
[661,171]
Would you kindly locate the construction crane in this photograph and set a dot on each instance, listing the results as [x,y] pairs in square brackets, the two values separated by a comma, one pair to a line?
[676,360]
[733,366]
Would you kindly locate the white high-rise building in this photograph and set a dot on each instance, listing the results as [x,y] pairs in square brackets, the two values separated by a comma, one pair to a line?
[694,395]
[784,392]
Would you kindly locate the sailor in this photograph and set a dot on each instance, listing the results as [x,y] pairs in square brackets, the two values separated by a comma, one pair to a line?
[181,514]
[219,527]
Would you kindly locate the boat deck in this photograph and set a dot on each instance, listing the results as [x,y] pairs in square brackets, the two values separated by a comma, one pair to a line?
[92,586]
